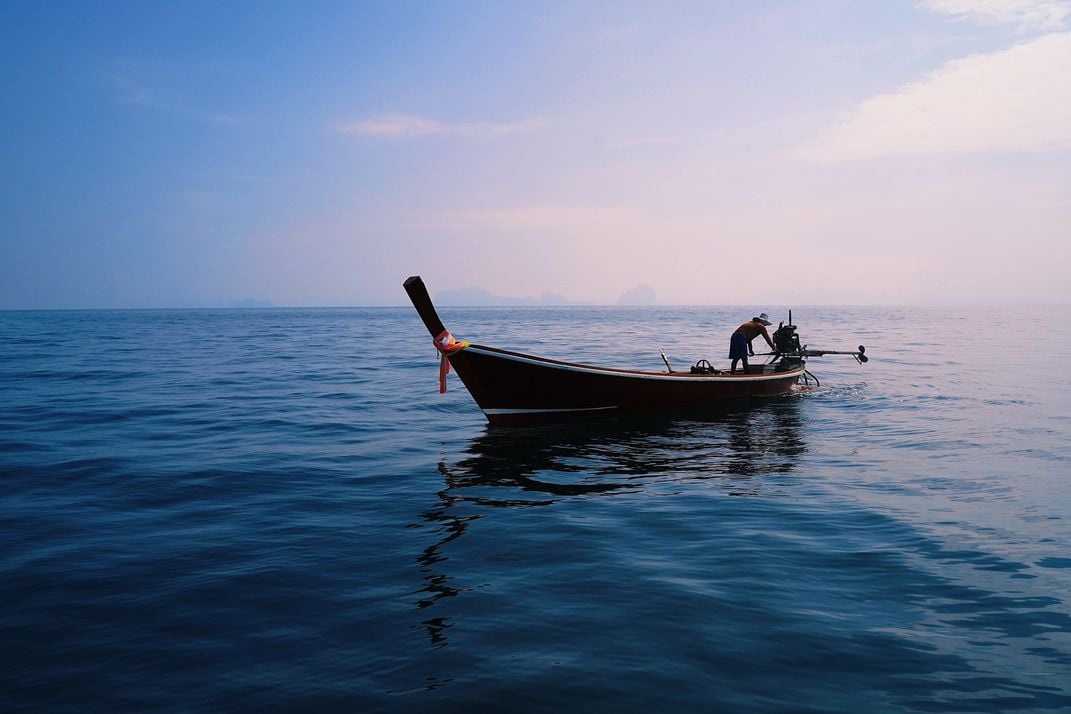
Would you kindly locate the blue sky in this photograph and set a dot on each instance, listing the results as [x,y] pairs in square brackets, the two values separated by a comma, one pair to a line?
[190,154]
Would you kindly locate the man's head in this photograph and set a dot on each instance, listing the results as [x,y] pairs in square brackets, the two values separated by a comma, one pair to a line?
[763,318]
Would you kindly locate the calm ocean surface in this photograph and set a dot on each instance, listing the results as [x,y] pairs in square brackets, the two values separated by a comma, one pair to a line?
[275,510]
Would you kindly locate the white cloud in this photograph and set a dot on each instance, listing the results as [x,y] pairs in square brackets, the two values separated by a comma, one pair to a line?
[1045,15]
[134,92]
[405,126]
[1014,100]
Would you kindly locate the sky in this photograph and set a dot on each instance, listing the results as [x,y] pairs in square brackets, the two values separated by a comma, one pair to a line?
[191,154]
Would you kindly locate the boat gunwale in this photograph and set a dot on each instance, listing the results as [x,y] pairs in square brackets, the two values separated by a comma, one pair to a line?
[629,373]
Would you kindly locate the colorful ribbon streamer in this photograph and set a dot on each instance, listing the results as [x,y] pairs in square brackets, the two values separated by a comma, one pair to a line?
[446,345]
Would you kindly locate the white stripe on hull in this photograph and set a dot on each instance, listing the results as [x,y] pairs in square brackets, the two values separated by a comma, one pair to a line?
[498,412]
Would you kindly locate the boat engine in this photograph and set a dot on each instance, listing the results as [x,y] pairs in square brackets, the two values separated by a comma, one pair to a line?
[785,339]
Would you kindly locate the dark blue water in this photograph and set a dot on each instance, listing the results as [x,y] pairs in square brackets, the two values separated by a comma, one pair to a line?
[258,510]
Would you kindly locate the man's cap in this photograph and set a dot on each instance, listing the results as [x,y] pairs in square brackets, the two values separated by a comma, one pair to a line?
[763,318]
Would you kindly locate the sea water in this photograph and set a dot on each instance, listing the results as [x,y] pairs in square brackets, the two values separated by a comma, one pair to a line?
[275,510]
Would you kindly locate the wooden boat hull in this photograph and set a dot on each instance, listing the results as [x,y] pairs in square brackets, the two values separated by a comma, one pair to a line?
[514,388]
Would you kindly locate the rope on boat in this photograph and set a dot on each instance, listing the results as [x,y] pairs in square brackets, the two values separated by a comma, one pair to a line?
[446,345]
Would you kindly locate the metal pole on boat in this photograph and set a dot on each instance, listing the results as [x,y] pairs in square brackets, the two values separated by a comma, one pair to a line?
[665,359]
[860,355]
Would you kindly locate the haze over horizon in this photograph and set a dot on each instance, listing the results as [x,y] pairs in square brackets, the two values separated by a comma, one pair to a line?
[795,152]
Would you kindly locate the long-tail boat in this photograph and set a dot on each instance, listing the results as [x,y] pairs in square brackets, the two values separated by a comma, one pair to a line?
[515,388]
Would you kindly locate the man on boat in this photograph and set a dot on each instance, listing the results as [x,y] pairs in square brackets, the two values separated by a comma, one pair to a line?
[740,342]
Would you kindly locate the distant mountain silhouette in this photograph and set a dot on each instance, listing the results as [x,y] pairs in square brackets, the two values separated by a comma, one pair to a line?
[478,297]
[639,295]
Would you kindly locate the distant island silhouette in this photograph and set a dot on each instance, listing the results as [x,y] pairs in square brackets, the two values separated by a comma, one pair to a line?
[639,295]
[478,297]
[247,302]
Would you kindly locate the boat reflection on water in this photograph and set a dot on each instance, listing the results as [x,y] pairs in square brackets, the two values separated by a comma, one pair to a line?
[535,465]
[540,466]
